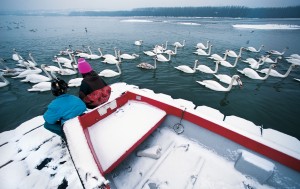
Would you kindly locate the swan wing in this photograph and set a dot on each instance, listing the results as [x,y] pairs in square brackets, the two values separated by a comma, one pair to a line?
[185,69]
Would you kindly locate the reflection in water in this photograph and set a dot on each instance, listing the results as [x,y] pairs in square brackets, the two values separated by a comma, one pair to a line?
[224,101]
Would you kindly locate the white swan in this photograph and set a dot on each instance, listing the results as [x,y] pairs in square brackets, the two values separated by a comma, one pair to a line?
[5,81]
[187,69]
[225,79]
[158,50]
[179,45]
[93,56]
[83,55]
[138,42]
[42,86]
[110,73]
[252,49]
[146,65]
[169,51]
[126,56]
[213,85]
[66,71]
[218,57]
[111,60]
[162,58]
[201,52]
[37,78]
[275,73]
[294,56]
[277,52]
[233,54]
[252,74]
[10,71]
[269,60]
[162,47]
[149,53]
[255,64]
[63,59]
[229,65]
[202,46]
[16,56]
[76,82]
[30,70]
[71,64]
[206,69]
[109,55]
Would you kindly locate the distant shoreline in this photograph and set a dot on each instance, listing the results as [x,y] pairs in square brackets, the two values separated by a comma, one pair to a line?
[228,11]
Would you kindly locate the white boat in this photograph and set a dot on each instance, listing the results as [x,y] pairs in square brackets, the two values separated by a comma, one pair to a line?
[140,139]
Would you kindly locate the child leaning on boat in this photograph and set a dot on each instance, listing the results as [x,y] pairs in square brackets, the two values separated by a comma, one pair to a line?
[93,90]
[62,108]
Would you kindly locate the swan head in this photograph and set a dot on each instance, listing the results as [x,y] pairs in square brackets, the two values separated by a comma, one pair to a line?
[238,80]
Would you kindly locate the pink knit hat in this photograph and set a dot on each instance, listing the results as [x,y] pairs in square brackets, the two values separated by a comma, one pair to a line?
[84,66]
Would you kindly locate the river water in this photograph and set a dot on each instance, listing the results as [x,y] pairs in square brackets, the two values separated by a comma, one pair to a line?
[273,103]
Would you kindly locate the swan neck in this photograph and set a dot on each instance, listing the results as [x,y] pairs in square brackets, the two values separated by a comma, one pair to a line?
[90,50]
[154,63]
[209,50]
[100,52]
[46,72]
[236,61]
[268,73]
[195,66]
[288,71]
[217,67]
[119,69]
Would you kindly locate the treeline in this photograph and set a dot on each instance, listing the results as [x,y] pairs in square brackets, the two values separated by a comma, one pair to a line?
[228,11]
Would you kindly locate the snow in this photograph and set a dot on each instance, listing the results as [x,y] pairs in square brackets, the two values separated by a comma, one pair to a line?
[267,26]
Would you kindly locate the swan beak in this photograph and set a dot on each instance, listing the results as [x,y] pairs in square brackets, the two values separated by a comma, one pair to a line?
[240,83]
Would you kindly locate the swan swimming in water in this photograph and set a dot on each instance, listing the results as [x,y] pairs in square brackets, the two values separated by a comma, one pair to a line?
[202,52]
[177,44]
[227,64]
[76,82]
[93,56]
[269,60]
[202,46]
[112,60]
[275,73]
[109,55]
[187,69]
[218,57]
[10,71]
[66,71]
[213,85]
[225,79]
[149,53]
[41,87]
[161,58]
[206,69]
[169,51]
[37,78]
[126,56]
[4,82]
[110,73]
[138,42]
[233,54]
[30,70]
[252,49]
[252,74]
[274,52]
[148,66]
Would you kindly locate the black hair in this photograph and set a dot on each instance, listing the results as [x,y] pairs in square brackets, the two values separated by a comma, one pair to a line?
[59,87]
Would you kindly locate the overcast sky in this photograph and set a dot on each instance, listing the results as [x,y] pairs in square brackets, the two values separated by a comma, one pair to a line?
[130,4]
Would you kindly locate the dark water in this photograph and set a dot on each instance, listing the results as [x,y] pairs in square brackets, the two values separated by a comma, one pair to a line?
[273,103]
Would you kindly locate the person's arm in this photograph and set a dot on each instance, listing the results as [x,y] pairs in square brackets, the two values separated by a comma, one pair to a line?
[52,115]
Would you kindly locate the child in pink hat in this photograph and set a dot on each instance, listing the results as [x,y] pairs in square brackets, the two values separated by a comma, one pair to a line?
[93,89]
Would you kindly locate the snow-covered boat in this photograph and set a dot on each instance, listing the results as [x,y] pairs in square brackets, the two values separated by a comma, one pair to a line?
[140,139]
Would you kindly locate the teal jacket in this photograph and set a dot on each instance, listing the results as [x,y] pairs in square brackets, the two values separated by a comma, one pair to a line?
[61,109]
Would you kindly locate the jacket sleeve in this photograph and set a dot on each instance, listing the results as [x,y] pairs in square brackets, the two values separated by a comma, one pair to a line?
[84,90]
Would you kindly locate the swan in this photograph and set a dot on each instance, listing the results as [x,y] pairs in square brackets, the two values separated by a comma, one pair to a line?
[202,52]
[110,73]
[109,55]
[148,66]
[158,50]
[213,85]
[202,46]
[161,58]
[169,51]
[111,60]
[229,65]
[30,70]
[225,79]
[149,53]
[274,73]
[71,64]
[187,69]
[206,69]
[16,56]
[252,49]
[37,78]
[23,62]
[252,74]
[5,81]
[63,59]
[66,52]
[162,48]
[277,52]
[293,60]
[76,82]
[218,57]
[10,71]
[93,56]
[294,56]
[179,45]
[233,54]
[138,42]
[128,56]
[83,55]
[255,64]
[42,86]
[66,71]
[269,60]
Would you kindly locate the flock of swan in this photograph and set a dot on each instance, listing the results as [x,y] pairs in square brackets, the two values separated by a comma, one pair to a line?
[29,71]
